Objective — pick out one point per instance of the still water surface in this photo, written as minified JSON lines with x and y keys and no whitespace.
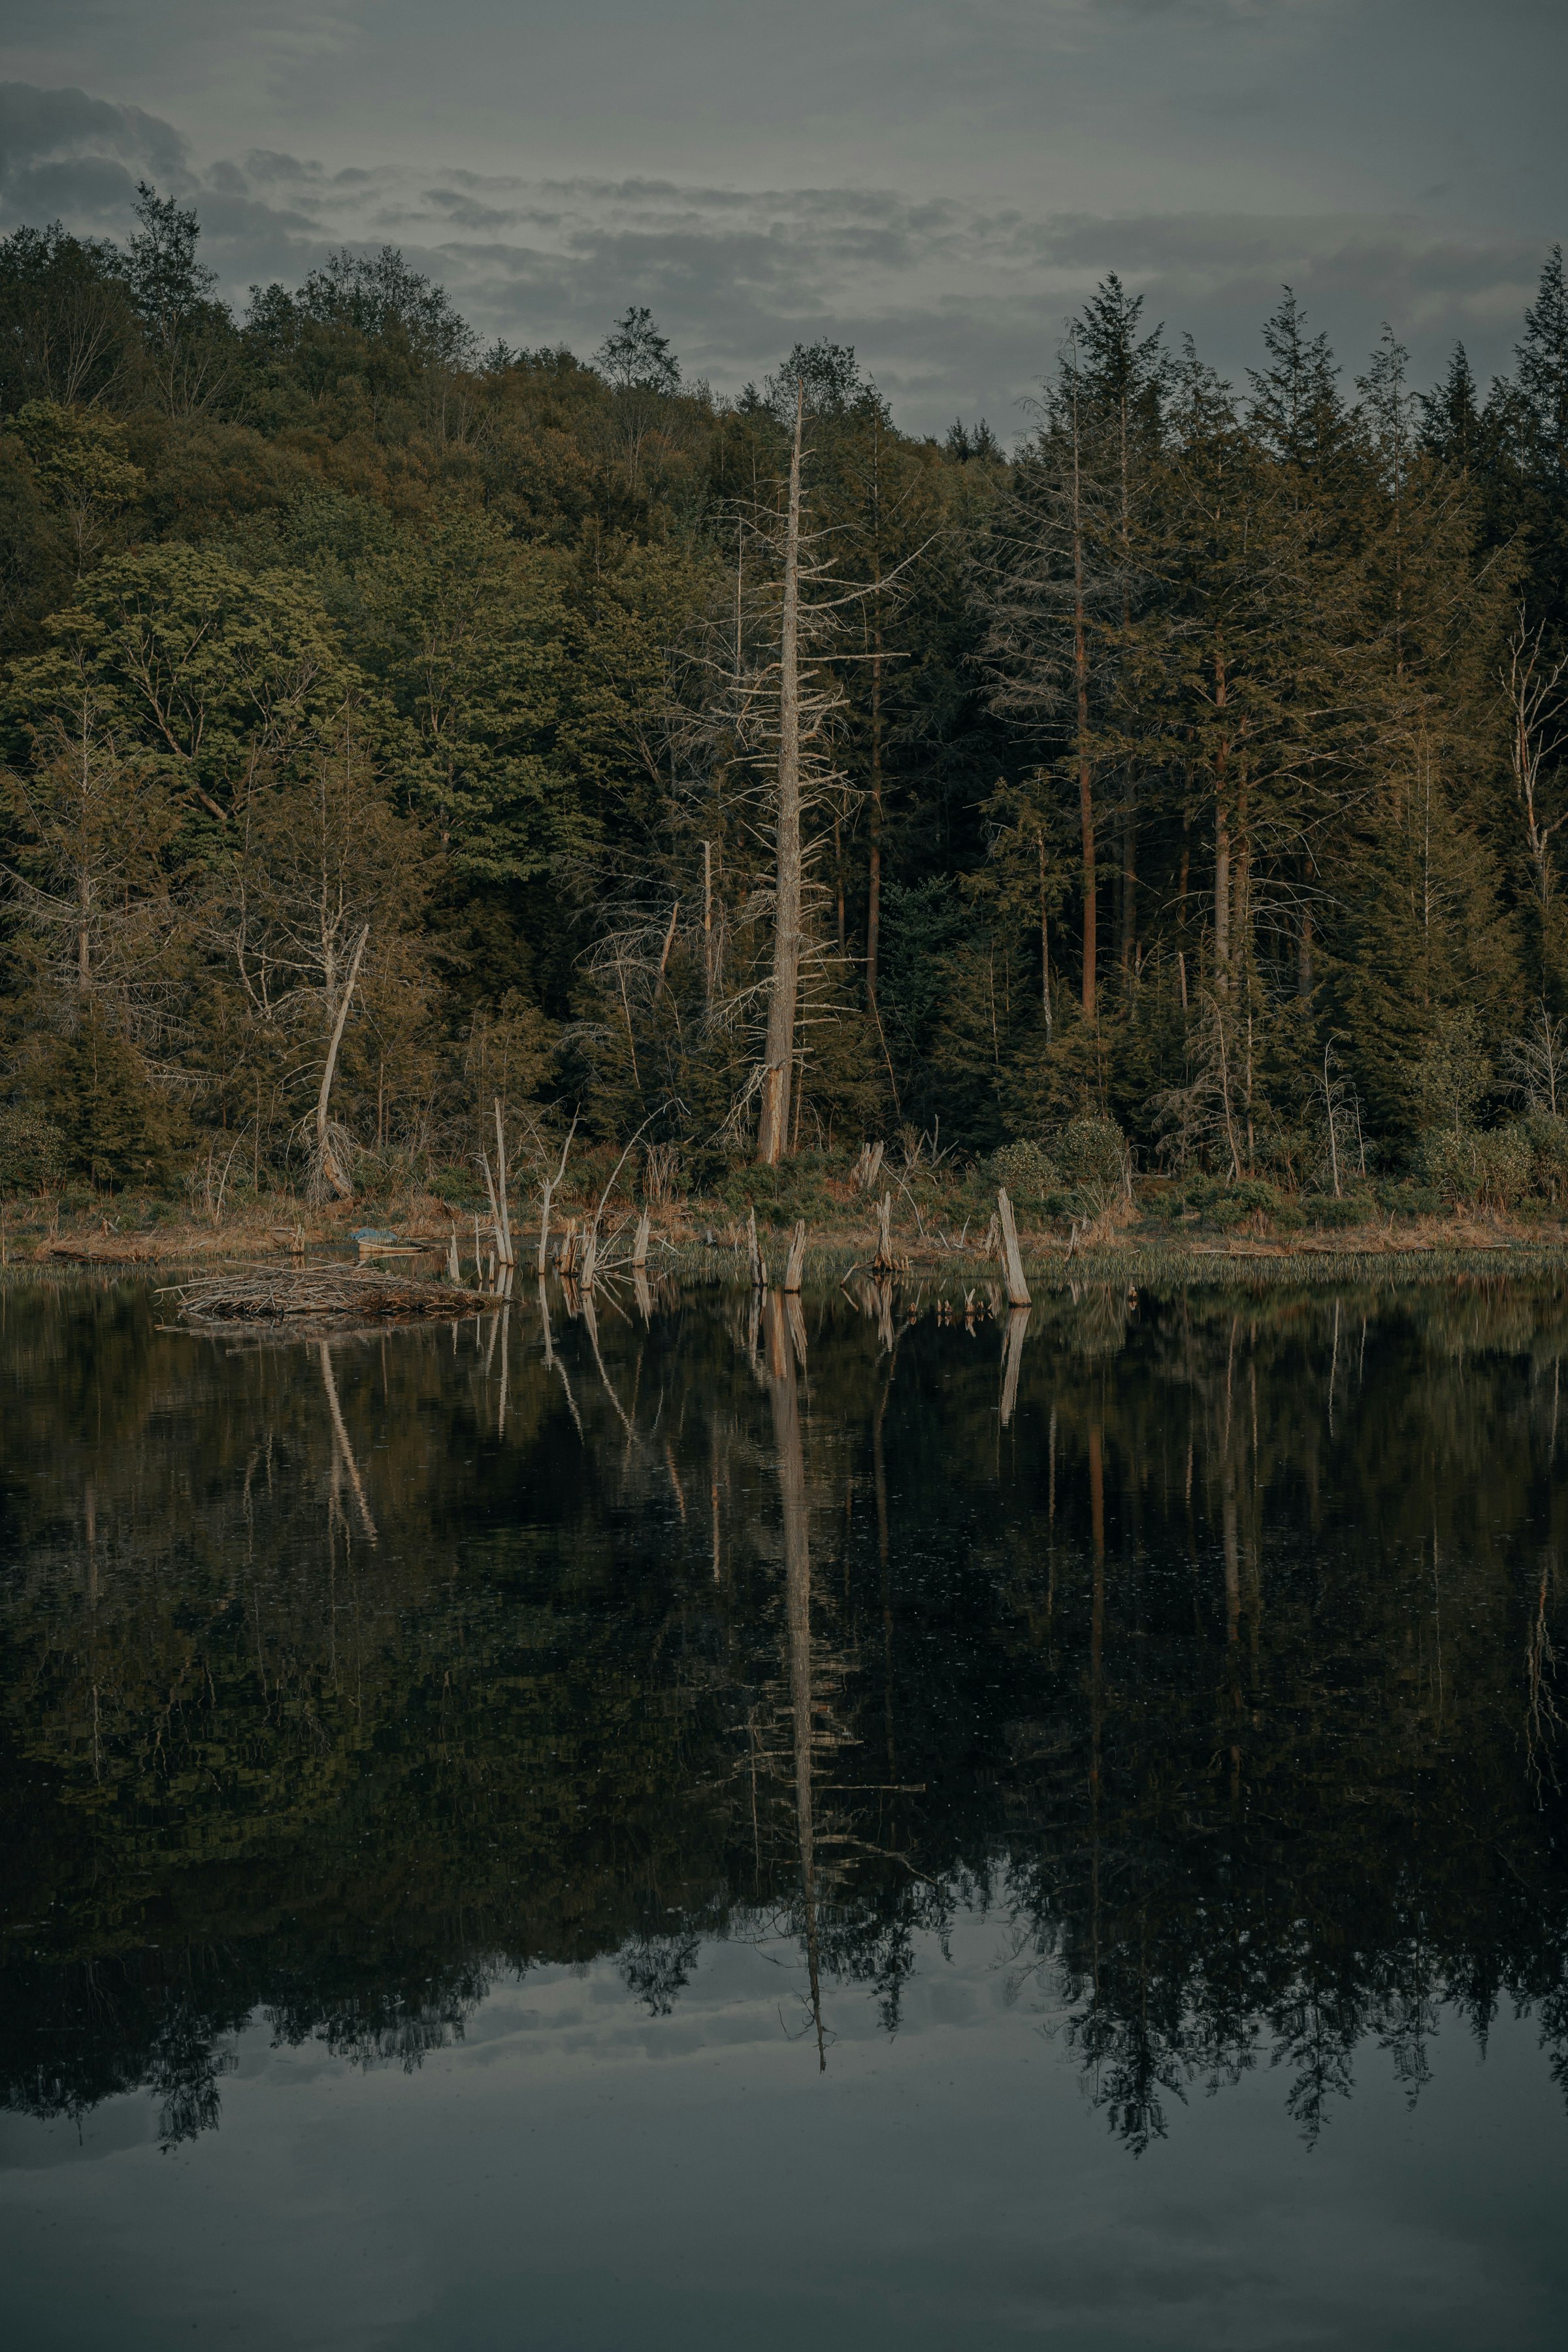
{"x":694,"y":1827}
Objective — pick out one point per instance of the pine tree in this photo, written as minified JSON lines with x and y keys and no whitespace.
{"x":1451,"y":416}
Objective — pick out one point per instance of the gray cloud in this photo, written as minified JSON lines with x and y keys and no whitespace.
{"x":952,"y":279}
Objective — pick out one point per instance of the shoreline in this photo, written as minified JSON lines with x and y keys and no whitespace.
{"x":687,"y":1241}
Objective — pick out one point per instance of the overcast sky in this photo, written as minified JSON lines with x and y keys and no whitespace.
{"x":938,"y":182}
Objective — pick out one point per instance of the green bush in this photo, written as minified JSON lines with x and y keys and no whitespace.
{"x":796,"y":1188}
{"x":1488,"y":1168}
{"x":1548,"y":1136}
{"x":457,"y":1186}
{"x":1092,"y":1155}
{"x":32,"y":1150}
{"x":1333,"y":1212}
{"x":1225,"y":1204}
{"x":1026,"y":1170}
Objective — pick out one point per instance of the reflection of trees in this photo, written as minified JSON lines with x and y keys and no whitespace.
{"x":1246,"y":1723}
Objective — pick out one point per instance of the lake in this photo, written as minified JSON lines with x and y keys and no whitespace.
{"x":863,"y":1821}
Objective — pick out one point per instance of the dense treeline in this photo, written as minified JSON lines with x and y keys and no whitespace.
{"x":391,"y":726}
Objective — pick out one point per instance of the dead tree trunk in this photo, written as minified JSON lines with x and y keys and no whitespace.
{"x":772,"y":1128}
{"x":334,"y":1175}
{"x":1085,"y":789}
{"x":1012,"y":1260}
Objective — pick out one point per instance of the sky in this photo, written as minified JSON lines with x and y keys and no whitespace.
{"x":939,"y":182}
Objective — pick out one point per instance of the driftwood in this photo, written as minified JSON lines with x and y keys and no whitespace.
{"x":321,"y":1294}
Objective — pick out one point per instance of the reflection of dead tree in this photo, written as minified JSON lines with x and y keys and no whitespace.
{"x":342,"y":1448}
{"x":1543,"y":1721}
{"x":1012,"y":1360}
{"x":786,"y":1400}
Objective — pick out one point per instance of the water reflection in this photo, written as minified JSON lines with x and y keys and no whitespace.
{"x":1203,"y":1642}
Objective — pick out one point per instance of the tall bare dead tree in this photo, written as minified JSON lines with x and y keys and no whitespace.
{"x":784,"y":993}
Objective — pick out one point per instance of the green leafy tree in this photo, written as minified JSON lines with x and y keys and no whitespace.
{"x":197,"y":666}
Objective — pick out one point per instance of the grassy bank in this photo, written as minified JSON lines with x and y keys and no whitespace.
{"x":707,"y":1235}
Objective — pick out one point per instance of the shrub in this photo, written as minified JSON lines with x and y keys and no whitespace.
{"x":32,"y":1150}
{"x":1479,"y":1168}
{"x":457,"y":1187}
{"x":1096,"y":1164}
{"x":1331,"y":1211}
{"x":796,"y":1188}
{"x":1028,"y":1172}
{"x":1548,"y":1136}
{"x":1226,"y":1204}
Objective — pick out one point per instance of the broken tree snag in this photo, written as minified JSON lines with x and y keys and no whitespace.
{"x":883,"y":1261}
{"x":639,"y":1243}
{"x":796,"y":1259}
{"x":332,"y":1175}
{"x":590,"y":1255}
{"x":754,"y":1258}
{"x":864,"y":1173}
{"x":1012,"y":1262}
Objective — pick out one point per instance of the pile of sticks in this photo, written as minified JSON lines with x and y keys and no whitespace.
{"x":321,"y":1294}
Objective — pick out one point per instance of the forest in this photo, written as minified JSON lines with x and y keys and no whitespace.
{"x":394,"y":726}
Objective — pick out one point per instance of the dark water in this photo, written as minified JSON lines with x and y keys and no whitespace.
{"x":703,"y":1834}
